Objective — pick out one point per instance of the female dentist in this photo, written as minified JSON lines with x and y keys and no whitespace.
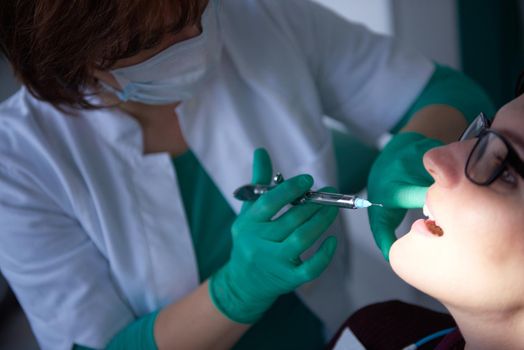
{"x":137,"y":121}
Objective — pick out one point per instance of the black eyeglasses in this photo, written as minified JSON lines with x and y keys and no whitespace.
{"x":491,"y":155}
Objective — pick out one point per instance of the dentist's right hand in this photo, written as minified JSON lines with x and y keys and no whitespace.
{"x":265,"y":258}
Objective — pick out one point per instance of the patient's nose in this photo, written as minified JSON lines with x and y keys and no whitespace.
{"x":446,"y":163}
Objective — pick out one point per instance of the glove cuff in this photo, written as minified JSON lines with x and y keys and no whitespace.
{"x":232,"y":302}
{"x":412,"y":136}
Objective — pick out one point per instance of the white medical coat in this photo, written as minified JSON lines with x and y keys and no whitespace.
{"x":93,"y":233}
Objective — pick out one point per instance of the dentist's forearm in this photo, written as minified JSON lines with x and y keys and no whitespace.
{"x":448,"y":103}
{"x":438,"y":122}
{"x":194,"y":323}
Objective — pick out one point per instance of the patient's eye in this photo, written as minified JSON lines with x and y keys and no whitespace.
{"x":508,"y":177}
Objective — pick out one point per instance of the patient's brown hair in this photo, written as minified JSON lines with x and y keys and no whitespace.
{"x":54,"y":45}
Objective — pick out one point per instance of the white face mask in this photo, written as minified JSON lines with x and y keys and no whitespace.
{"x":176,"y":73}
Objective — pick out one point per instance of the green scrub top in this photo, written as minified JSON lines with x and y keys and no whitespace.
{"x":289,"y":324}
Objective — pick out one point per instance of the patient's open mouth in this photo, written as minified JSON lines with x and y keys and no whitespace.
{"x":434,"y":228}
{"x":431,"y":224}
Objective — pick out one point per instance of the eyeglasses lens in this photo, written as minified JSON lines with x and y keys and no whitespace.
{"x":480,"y":123}
{"x":486,"y":159}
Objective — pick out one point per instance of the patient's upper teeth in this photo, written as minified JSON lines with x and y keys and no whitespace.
{"x":426,"y":212}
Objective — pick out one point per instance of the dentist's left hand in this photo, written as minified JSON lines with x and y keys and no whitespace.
{"x":399,"y":181}
{"x":265,"y":259}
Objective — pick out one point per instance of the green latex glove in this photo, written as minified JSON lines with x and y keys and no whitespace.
{"x":399,"y":181}
{"x":265,"y":259}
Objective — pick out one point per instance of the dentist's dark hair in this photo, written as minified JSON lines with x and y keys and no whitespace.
{"x":53,"y":46}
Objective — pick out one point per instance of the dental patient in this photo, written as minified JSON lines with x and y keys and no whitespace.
{"x":468,"y":253}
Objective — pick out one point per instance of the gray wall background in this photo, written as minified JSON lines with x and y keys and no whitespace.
{"x":430,"y":26}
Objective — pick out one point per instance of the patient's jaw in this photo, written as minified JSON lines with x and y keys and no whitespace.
{"x":478,"y":263}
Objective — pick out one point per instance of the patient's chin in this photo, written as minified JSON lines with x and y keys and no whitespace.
{"x":395,"y":256}
{"x":403,"y":259}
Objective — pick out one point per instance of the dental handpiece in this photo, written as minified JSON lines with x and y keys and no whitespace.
{"x":346,"y":201}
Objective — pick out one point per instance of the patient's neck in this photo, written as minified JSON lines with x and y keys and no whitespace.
{"x":491,"y":330}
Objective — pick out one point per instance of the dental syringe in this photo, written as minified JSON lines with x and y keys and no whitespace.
{"x":252,"y":192}
{"x":340,"y":200}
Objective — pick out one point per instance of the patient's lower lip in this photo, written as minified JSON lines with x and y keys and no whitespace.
{"x":434,"y":228}
{"x":420,"y":226}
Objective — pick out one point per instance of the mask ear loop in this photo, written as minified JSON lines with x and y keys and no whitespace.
{"x":104,"y":87}
{"x":124,"y":94}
